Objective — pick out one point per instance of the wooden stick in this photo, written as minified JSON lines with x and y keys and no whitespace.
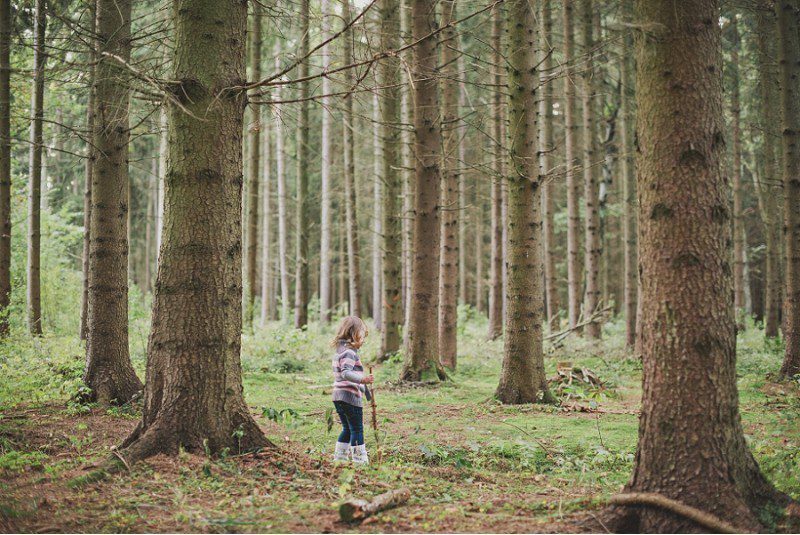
{"x":697,"y":516}
{"x":357,"y":510}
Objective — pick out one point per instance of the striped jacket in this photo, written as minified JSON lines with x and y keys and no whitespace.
{"x":347,"y":375}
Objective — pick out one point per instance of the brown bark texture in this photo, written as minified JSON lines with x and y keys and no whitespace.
{"x":5,"y":164}
{"x":629,"y":223}
{"x":253,"y":182}
{"x":496,"y":253}
{"x":302,"y":213}
{"x":691,"y":443}
{"x":193,"y":397}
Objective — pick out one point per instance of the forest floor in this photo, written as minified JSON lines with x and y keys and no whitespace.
{"x":472,"y":464}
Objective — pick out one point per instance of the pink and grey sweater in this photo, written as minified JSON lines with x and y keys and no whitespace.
{"x":347,"y":375}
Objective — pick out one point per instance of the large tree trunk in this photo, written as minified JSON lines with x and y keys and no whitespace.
{"x":691,"y":443}
{"x":302,"y":218}
{"x":448,"y":261}
{"x":35,"y":185}
{"x":5,"y":164}
{"x":629,"y":225}
{"x":389,"y":78}
{"x":350,"y":201}
{"x":422,"y":349}
{"x":789,"y":64}
{"x":325,"y":173}
{"x":522,"y":379}
{"x":573,"y":185}
{"x":497,"y":222}
{"x":193,"y":398}
{"x":283,"y":224}
{"x":770,"y":195}
{"x":547,"y":146}
{"x":253,"y":185}
{"x":108,"y":372}
{"x":738,"y":195}
{"x":593,"y":247}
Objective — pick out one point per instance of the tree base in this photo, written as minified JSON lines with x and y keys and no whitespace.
{"x":108,"y":388}
{"x":513,"y":396}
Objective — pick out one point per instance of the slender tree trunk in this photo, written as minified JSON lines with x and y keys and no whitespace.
{"x":461,"y":132}
{"x":522,"y":379}
{"x":480,"y":206}
{"x":770,"y":196}
{"x":193,"y":398}
{"x":163,"y":149}
{"x":389,"y":73}
{"x":448,"y":264}
{"x":422,"y":349}
{"x":592,"y":245}
{"x":266,"y":231}
{"x":691,"y":444}
{"x":629,"y":226}
{"x":738,"y":201}
{"x":546,"y":148}
{"x":5,"y":164}
{"x":108,"y":372}
{"x":253,"y":184}
{"x":407,"y":163}
{"x":91,"y":156}
{"x":302,"y":215}
{"x":152,"y":192}
{"x":573,"y":186}
{"x":325,"y":172}
{"x":35,"y":186}
{"x":280,"y":169}
{"x":788,"y":57}
{"x":350,"y":203}
{"x":496,"y":266}
{"x":377,"y":198}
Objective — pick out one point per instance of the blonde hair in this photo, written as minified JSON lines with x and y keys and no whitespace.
{"x":352,"y":331}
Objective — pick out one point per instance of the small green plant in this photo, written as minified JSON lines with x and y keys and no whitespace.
{"x":18,"y":461}
{"x":288,"y":416}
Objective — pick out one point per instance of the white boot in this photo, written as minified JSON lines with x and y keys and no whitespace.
{"x":360,"y":454}
{"x":342,"y":452}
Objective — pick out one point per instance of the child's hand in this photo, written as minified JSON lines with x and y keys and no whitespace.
{"x":367,"y":380}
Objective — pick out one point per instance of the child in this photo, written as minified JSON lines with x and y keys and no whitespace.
{"x":348,"y":388}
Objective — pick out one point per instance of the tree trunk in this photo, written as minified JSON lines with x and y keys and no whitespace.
{"x":377,"y":198}
{"x":280,"y":169}
{"x":448,"y":264}
{"x":422,"y":349}
{"x":462,"y":184}
{"x":253,"y":185}
{"x":629,"y":226}
{"x":480,"y":209}
{"x":5,"y":164}
{"x":407,"y":119}
{"x":496,"y":266}
{"x":788,"y":57}
{"x":350,"y":202}
{"x":592,"y":243}
{"x":522,"y":379}
{"x":691,"y":444}
{"x":193,"y":398}
{"x":152,"y":193}
{"x":769,"y":193}
{"x":163,"y":149}
{"x":35,"y":187}
{"x":91,"y":156}
{"x":302,"y":218}
{"x":266,"y":231}
{"x":325,"y":173}
{"x":738,"y":194}
{"x":546,"y":148}
{"x":108,"y":372}
{"x":389,"y":74}
{"x":573,"y":186}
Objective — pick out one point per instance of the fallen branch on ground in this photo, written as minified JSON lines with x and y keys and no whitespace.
{"x":357,"y":510}
{"x":701,"y":518}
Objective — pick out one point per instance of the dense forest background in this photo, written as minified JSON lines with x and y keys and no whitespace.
{"x":571,"y":226}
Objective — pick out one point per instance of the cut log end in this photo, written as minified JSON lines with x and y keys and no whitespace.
{"x":357,"y":510}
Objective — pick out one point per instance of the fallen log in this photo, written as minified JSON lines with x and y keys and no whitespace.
{"x":358,"y":510}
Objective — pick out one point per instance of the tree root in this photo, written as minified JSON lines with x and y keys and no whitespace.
{"x":702,"y":518}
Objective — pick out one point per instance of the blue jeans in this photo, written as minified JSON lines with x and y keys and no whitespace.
{"x":352,"y":419}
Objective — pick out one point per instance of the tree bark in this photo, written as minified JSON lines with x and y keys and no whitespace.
{"x":546,"y":148}
{"x":350,"y":188}
{"x":193,"y":398}
{"x":108,"y":372}
{"x":91,"y":156}
{"x":389,"y":73}
{"x":788,"y":57}
{"x":5,"y":164}
{"x":629,"y":226}
{"x":522,"y":379}
{"x":325,"y":173}
{"x":497,"y":222}
{"x":462,"y":185}
{"x":738,"y":194}
{"x":573,"y":186}
{"x":422,"y":349}
{"x":253,"y":184}
{"x":593,"y":247}
{"x":377,"y":199}
{"x":152,"y":199}
{"x":450,"y":209}
{"x":406,"y":155}
{"x":34,"y":288}
{"x":691,"y":443}
{"x":267,"y":308}
{"x":280,"y":169}
{"x":302,"y":219}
